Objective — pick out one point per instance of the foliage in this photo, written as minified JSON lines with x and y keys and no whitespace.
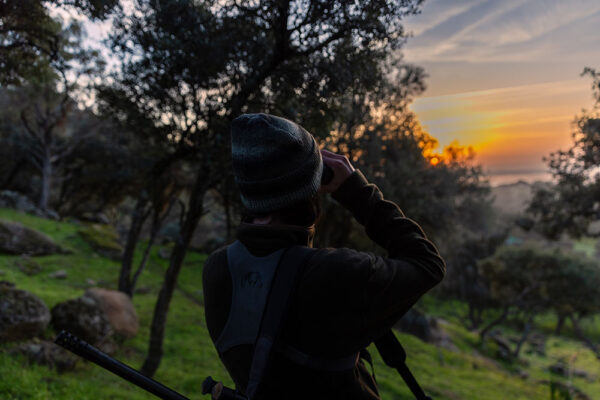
{"x":573,"y":202}
{"x":190,"y":355}
{"x":29,"y":41}
{"x":529,"y":281}
{"x":189,"y":68}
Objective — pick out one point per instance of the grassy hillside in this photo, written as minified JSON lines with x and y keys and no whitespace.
{"x":189,"y":355}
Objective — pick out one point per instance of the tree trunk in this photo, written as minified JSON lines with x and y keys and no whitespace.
{"x":159,"y":319}
{"x":495,"y":322}
{"x":474,"y":315}
{"x":560,"y":324}
{"x":157,"y":221}
{"x":46,"y":177}
{"x":524,"y":336}
{"x":582,"y":337}
{"x":138,"y":217}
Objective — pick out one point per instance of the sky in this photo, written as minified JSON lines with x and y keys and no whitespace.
{"x":504,"y":75}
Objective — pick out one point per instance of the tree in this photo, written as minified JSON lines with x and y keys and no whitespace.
{"x":529,"y":280}
{"x":189,"y":68}
{"x":32,"y":41}
{"x":573,"y":202}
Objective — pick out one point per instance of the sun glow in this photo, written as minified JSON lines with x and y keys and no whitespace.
{"x":508,"y":128}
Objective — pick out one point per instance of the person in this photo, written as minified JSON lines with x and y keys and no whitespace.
{"x":344,"y":299}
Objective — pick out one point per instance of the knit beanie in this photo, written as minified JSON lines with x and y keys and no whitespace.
{"x":276,"y":162}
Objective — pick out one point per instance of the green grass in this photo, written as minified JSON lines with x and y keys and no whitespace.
{"x":189,"y":355}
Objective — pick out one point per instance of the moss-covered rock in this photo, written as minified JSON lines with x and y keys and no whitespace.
{"x":85,"y":318}
{"x":16,"y":238}
{"x":103,"y":239}
{"x":22,"y":314}
{"x":44,"y":352}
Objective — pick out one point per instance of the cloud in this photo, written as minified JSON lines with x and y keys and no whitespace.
{"x":500,"y":31}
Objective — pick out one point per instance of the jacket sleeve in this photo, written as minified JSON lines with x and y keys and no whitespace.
{"x":393,"y":284}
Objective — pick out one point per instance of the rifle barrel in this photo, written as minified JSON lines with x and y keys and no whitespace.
{"x":91,"y":353}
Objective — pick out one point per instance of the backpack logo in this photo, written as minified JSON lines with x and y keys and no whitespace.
{"x":252,"y":279}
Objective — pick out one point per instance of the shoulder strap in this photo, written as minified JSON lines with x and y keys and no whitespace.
{"x":282,"y":288}
{"x":394,"y":356}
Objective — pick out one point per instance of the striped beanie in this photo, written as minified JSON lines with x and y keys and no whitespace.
{"x":276,"y":162}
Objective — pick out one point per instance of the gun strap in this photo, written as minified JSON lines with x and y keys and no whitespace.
{"x":282,"y":288}
{"x":394,"y":356}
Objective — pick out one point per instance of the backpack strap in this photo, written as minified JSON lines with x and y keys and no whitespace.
{"x":282,"y":288}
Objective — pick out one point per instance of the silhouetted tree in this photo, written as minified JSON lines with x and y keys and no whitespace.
{"x":573,"y":203}
{"x":189,"y":68}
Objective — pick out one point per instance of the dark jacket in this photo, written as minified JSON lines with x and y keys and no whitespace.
{"x":345,"y":298}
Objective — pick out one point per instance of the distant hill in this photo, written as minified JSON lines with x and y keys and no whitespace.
{"x":514,"y":198}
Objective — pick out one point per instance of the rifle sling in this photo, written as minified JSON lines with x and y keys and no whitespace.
{"x":394,"y":356}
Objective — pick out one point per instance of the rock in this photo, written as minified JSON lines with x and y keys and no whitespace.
{"x":20,"y":202}
{"x":103,"y":239}
{"x":47,"y":353}
{"x":559,"y":368}
{"x":170,"y":232}
{"x":85,"y":318}
{"x":164,"y":253}
{"x":143,"y":290}
{"x":7,"y":284}
{"x":560,"y":390}
{"x":22,"y":314}
{"x":537,"y":343}
{"x":28,"y":266}
{"x":428,"y":329}
{"x":15,"y":238}
{"x":562,"y":369}
{"x":416,"y":323}
{"x":91,"y":282}
{"x":523,"y":374}
{"x":119,"y":310}
{"x":99,"y":218}
{"x":60,"y":274}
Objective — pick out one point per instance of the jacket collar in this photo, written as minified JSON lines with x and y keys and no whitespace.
{"x":265,"y":239}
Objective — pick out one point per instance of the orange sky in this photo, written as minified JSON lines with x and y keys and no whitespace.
{"x":504,"y":75}
{"x":510,"y":128}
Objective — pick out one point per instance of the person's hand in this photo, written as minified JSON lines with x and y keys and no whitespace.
{"x":341,"y":168}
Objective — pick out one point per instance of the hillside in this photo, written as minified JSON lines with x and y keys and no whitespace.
{"x":469,"y":372}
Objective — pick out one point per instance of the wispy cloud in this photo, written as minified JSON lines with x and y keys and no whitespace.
{"x":500,"y":31}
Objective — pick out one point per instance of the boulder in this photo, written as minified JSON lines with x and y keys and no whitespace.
{"x":85,"y":318}
{"x":562,"y":369}
{"x":16,"y":238}
{"x":60,"y":274}
{"x":428,"y":329}
{"x":416,"y":323}
{"x":103,"y":239}
{"x":22,"y":314}
{"x":118,"y":309}
{"x":48,"y":353}
{"x":20,"y":202}
{"x":28,"y":266}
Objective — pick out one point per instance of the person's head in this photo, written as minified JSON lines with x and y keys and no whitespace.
{"x":277,"y":166}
